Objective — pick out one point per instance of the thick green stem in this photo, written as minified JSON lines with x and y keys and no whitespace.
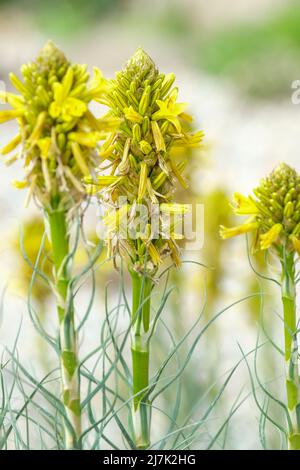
{"x":68,"y":341}
{"x":291,"y":349}
{"x":141,"y":292}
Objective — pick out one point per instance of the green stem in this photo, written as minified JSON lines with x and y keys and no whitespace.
{"x":68,"y":340}
{"x":141,"y":292}
{"x":288,"y":292}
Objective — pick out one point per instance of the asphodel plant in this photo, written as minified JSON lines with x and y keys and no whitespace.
{"x":57,"y":144}
{"x":143,"y":171}
{"x":274,"y":217}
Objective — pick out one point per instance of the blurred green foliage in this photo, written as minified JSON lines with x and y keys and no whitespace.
{"x":65,"y":17}
{"x":262,"y":57}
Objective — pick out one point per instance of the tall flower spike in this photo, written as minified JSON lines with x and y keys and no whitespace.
{"x":58,"y":135}
{"x":274,"y":211}
{"x":141,"y":151}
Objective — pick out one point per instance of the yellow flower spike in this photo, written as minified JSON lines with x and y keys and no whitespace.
{"x":133,"y":115}
{"x":140,"y":150}
{"x":80,"y":159}
{"x":54,"y":121}
{"x":244,"y":205}
{"x":238,"y":230}
{"x":143,"y":181}
{"x":268,"y":238}
{"x":158,"y":138}
{"x":11,"y":145}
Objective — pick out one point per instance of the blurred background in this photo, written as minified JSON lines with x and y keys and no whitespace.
{"x":235,"y":63}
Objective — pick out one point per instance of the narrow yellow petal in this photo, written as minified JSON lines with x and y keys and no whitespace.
{"x":266,"y":239}
{"x":38,"y":128}
{"x":238,"y":230}
{"x":154,"y":254}
{"x":133,"y":115}
{"x":80,"y":159}
{"x":11,"y":145}
{"x":19,"y":184}
{"x":143,"y":181}
{"x":158,"y":137}
{"x":8,"y":115}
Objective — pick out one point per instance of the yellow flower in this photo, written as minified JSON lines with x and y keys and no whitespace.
{"x":169,"y":111}
{"x":244,"y":205}
{"x":266,"y":239}
{"x":133,"y":115}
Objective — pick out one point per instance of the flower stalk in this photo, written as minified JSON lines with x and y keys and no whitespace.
{"x":288,"y":293}
{"x":59,"y":235}
{"x":140,"y":353}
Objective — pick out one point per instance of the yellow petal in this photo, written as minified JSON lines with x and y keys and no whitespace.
{"x":266,"y":239}
{"x":38,"y":127}
{"x":143,"y":181}
{"x":80,"y":159}
{"x":133,"y":115}
{"x":11,"y":145}
{"x":19,"y":184}
{"x":244,"y":205}
{"x":158,"y":137}
{"x":296,"y":244}
{"x":154,"y":254}
{"x":8,"y":115}
{"x":88,"y":139}
{"x":73,"y":107}
{"x":238,"y":230}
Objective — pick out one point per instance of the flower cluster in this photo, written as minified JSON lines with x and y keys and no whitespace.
{"x":142,"y":155}
{"x":58,"y":135}
{"x":274,"y":212}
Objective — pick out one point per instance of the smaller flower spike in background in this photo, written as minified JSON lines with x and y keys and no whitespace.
{"x":275,"y":217}
{"x":58,"y":135}
{"x":274,"y":211}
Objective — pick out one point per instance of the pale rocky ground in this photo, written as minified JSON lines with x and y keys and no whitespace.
{"x":247,"y":140}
